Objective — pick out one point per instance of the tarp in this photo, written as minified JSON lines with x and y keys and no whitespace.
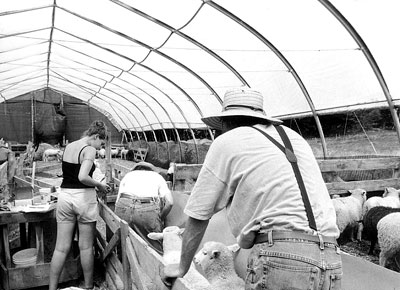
{"x":49,"y":117}
{"x":156,"y":64}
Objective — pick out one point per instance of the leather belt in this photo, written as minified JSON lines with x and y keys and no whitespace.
{"x":140,"y":198}
{"x":284,"y":235}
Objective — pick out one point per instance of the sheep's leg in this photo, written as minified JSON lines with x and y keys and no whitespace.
{"x":383,"y":257}
{"x":359,"y":232}
{"x":372,"y":247}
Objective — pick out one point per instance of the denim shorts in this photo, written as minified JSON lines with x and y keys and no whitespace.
{"x":143,"y":218}
{"x":294,"y":264}
{"x":77,"y":205}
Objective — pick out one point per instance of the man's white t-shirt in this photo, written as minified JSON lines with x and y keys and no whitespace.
{"x":249,"y":175}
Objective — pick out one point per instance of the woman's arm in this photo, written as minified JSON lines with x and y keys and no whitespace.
{"x":87,"y":160}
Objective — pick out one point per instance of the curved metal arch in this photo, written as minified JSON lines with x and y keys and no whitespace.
{"x":152,"y":129}
{"x":66,"y":47}
{"x":24,"y":46}
{"x":163,"y":129}
{"x":89,"y":91}
{"x":137,"y":134}
{"x":64,"y":93}
{"x":282,"y":59}
{"x":184,"y":36}
{"x":177,"y":107}
{"x":92,"y":92}
{"x":149,"y":69}
{"x":370,"y":58}
{"x":150,"y":84}
{"x":20,"y":75}
{"x":17,"y":83}
{"x":5,"y":13}
{"x":50,"y":40}
{"x":21,"y":58}
{"x":132,"y":125}
{"x":152,"y":49}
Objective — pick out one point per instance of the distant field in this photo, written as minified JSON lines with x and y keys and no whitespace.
{"x":372,"y":143}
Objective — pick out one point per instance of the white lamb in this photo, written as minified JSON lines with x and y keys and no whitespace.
{"x":124,"y":152}
{"x":216,"y":261}
{"x":52,"y":152}
{"x":349,"y":211}
{"x":390,"y":198}
{"x":102,"y":153}
{"x":114,"y":152}
{"x":389,"y":238}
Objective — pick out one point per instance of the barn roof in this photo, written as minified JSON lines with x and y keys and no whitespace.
{"x":153,"y":65}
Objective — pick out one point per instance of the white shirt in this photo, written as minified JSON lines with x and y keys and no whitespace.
{"x":143,"y":183}
{"x":249,"y":175}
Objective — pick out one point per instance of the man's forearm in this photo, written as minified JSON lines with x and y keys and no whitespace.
{"x":192,"y":236}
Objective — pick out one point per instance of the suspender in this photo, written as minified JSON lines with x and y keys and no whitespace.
{"x":289,"y":153}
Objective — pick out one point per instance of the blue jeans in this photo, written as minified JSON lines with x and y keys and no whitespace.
{"x":143,"y":218}
{"x":294,"y":264}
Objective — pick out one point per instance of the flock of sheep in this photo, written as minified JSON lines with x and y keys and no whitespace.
{"x":56,"y":153}
{"x":376,"y":219}
{"x":115,"y":152}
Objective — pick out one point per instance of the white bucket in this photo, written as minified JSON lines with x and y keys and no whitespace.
{"x":25,"y":258}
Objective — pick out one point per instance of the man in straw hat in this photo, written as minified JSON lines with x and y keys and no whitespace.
{"x":276,"y":201}
{"x":143,"y":201}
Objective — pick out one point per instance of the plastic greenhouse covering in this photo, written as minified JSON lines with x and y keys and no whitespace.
{"x":151,"y":65}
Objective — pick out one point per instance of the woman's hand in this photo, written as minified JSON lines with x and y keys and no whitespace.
{"x":103,"y":188}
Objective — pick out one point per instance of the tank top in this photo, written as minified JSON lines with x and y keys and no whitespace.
{"x":71,"y":172}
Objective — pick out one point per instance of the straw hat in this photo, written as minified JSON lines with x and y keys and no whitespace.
{"x":240,"y":102}
{"x":144,"y":164}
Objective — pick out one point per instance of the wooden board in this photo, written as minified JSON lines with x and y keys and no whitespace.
{"x":337,"y":165}
{"x":34,"y":276}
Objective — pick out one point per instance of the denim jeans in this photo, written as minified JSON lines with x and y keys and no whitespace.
{"x":294,"y":264}
{"x":143,"y":218}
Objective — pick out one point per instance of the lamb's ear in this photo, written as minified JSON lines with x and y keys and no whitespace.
{"x":234,"y":248}
{"x":215,"y":254}
{"x":155,"y":236}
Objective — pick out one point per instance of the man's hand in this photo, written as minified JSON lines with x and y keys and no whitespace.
{"x":170,"y":273}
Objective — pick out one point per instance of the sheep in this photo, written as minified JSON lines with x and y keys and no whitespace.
{"x":370,"y":222}
{"x":389,"y":238}
{"x":216,"y":261}
{"x":349,"y":211}
{"x":390,"y":198}
{"x":102,"y":153}
{"x":52,"y":152}
{"x":172,"y":245}
{"x":114,"y":152}
{"x":123,"y":153}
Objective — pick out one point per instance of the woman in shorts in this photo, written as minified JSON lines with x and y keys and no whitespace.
{"x":77,"y":203}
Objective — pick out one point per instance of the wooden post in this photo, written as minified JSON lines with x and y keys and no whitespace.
{"x":126,"y":270}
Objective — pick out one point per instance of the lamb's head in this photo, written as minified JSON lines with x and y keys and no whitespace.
{"x":215,"y":258}
{"x":359,"y":194}
{"x":391,"y":191}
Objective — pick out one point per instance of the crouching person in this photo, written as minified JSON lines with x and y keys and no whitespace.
{"x":286,"y":218}
{"x":144,"y":201}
